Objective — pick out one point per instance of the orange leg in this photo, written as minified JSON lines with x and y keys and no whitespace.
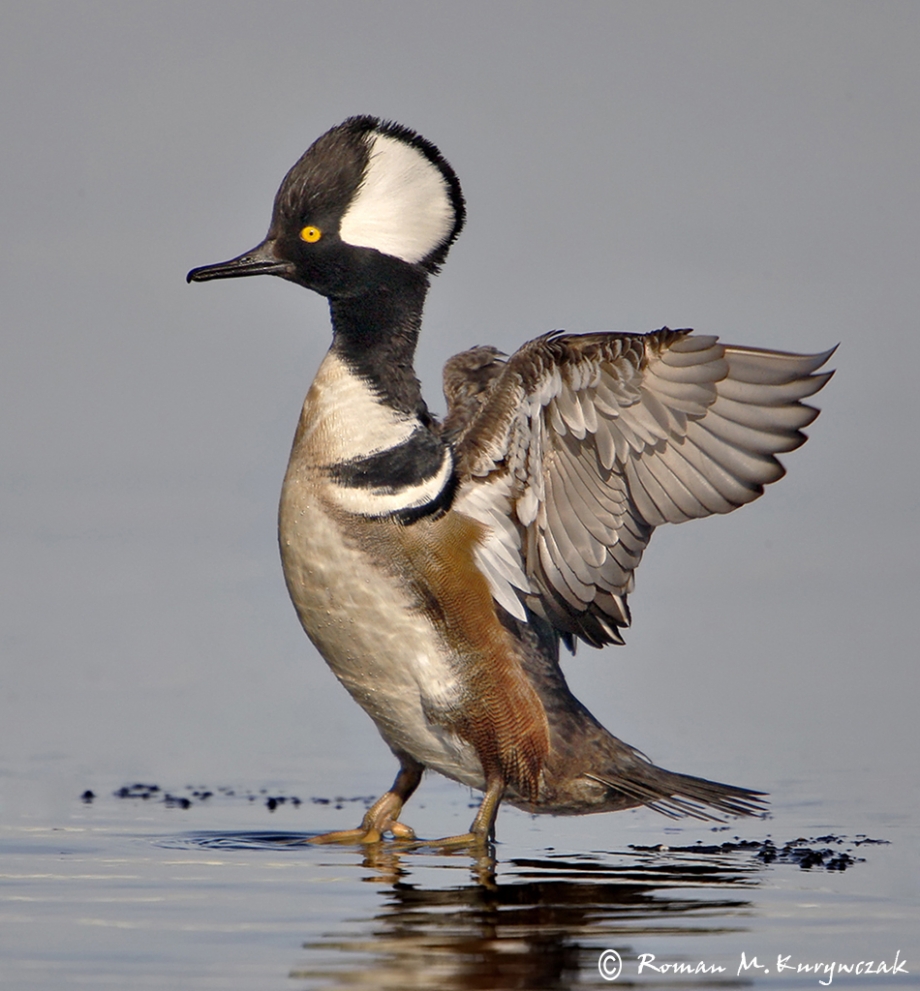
{"x":482,"y":831}
{"x":382,"y":816}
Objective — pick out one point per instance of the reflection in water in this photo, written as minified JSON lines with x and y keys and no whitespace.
{"x":542,"y":925}
{"x":536,"y":923}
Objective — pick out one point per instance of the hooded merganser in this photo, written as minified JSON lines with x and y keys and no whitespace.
{"x":438,"y":566}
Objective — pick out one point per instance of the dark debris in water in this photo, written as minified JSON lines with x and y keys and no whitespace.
{"x":339,"y":802}
{"x":190,"y":795}
{"x":807,"y":853}
{"x":137,"y":791}
{"x":830,"y":852}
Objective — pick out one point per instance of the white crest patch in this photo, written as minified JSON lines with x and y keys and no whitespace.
{"x":402,"y":207}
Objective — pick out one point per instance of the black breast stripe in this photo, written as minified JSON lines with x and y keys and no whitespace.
{"x":409,"y":463}
{"x":406,"y":482}
{"x":434,"y":507}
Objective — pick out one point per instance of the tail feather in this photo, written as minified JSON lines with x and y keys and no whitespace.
{"x":681,"y":795}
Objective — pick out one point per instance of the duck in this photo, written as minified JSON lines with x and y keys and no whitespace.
{"x":440,"y":565}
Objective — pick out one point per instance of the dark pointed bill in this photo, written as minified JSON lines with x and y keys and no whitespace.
{"x":262,"y":260}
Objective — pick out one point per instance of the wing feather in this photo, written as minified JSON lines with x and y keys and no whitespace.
{"x":573,"y":450}
{"x":589,"y":526}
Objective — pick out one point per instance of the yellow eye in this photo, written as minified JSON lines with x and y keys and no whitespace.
{"x":310,"y":234}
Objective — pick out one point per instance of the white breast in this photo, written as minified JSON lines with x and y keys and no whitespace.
{"x":371,"y":633}
{"x":364,"y":622}
{"x":344,"y":420}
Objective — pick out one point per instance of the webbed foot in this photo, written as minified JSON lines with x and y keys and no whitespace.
{"x":382,"y":817}
{"x":482,"y":831}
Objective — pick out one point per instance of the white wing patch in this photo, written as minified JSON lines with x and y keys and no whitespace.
{"x":402,"y":207}
{"x":499,"y":555}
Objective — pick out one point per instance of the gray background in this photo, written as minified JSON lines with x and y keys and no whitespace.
{"x":747,"y":169}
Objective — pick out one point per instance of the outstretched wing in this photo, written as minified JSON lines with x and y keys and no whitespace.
{"x":574,"y":449}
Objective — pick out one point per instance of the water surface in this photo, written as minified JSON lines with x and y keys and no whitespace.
{"x":224,"y":894}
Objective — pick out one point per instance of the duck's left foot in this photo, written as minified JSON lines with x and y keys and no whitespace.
{"x":379,"y":820}
{"x":399,"y":830}
{"x":382,"y":817}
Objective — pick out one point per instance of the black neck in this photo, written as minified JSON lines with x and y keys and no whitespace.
{"x":376,"y":333}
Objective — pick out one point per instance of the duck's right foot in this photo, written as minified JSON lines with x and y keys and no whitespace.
{"x":482,"y":831}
